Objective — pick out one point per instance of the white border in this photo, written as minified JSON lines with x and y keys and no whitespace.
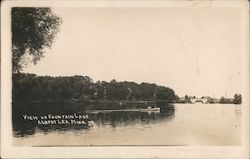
{"x":10,"y":151}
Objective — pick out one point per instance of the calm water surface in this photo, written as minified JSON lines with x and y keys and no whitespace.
{"x":180,"y":124}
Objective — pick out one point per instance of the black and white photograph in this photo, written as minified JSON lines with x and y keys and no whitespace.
{"x":123,"y":75}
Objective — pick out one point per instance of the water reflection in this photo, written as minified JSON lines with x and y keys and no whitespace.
{"x":25,"y":128}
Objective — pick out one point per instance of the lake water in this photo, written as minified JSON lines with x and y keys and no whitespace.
{"x":179,"y":124}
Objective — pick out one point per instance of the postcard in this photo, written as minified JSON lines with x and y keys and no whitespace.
{"x":124,"y":79}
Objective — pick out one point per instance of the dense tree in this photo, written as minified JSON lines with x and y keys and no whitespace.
{"x":33,"y":30}
{"x":237,"y":99}
{"x":187,"y":99}
{"x":164,"y":93}
{"x":45,"y":88}
{"x":222,"y":100}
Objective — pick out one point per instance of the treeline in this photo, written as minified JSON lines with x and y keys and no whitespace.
{"x":30,"y":87}
{"x":236,"y":100}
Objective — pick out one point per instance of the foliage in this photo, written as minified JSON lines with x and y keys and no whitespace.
{"x":237,"y":99}
{"x":187,"y":99}
{"x":33,"y":30}
{"x":44,"y":88}
{"x":224,"y":100}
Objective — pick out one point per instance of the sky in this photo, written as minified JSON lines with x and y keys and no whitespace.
{"x":193,"y":51}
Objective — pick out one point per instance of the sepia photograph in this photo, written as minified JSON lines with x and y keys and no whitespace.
{"x":123,"y":75}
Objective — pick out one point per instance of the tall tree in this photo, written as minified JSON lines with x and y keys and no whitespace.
{"x":237,"y":99}
{"x":33,"y":30}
